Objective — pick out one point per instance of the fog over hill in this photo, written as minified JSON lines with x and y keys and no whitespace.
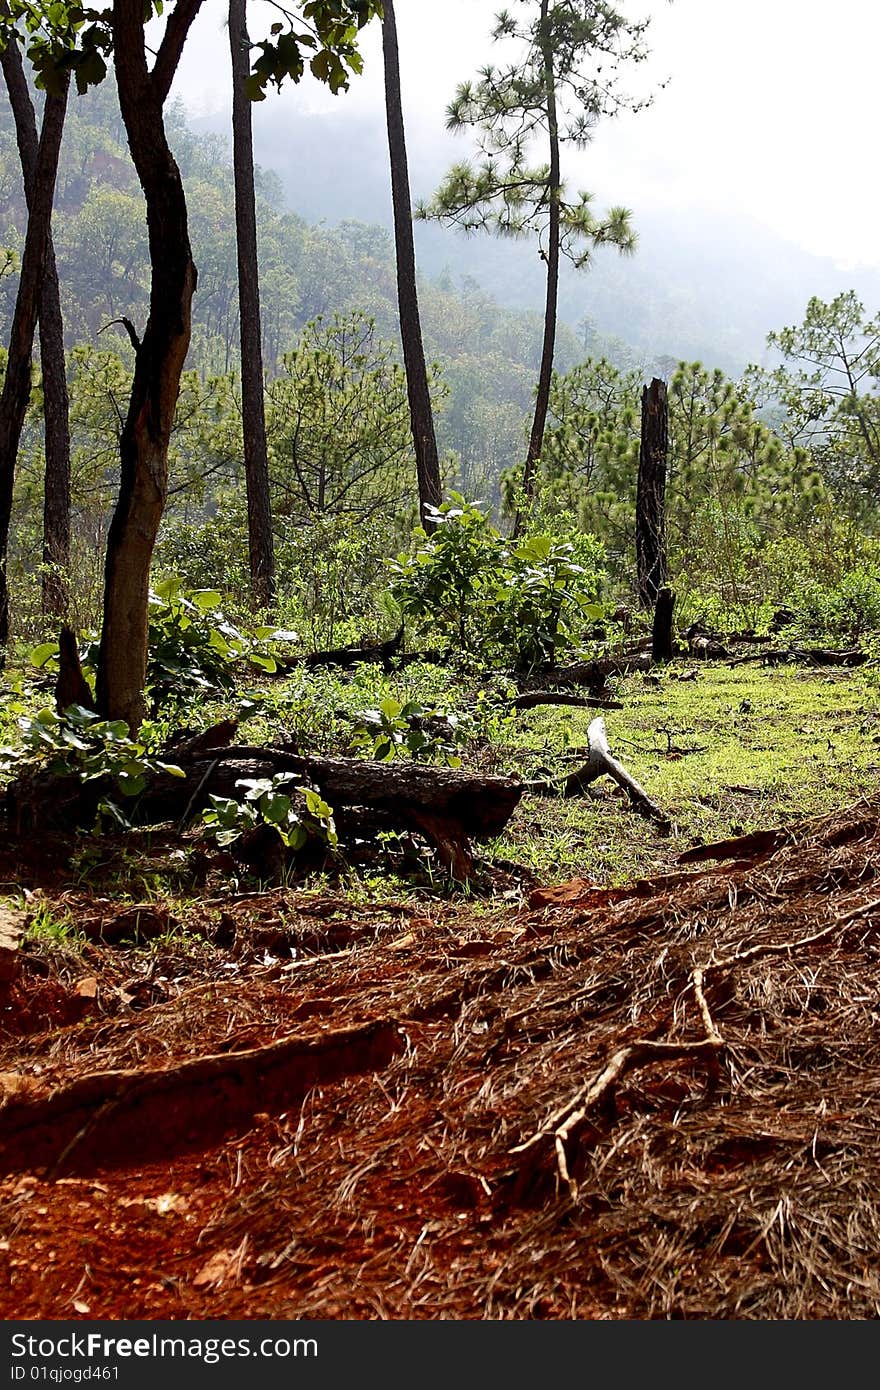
{"x":703,"y":284}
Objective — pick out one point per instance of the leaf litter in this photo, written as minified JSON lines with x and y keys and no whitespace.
{"x":651,"y":1101}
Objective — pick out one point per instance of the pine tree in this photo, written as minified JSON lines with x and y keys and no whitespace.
{"x":563,"y":81}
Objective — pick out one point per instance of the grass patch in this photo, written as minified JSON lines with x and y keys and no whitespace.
{"x":53,"y":926}
{"x":771,"y":746}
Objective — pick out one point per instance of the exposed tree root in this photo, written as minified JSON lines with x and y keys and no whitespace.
{"x":105,"y":1118}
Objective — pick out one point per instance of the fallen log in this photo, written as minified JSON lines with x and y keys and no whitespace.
{"x":594,"y":674}
{"x":601,"y":763}
{"x":707,"y":648}
{"x":446,"y":806}
{"x":806,"y":656}
{"x":377,"y":653}
{"x":531,"y":699}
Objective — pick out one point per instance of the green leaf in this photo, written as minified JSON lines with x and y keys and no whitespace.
{"x":275,"y":808}
{"x":297,"y":836}
{"x":206,"y":600}
{"x":168,"y":588}
{"x":265,"y":663}
{"x":171,"y":768}
{"x":41,"y":655}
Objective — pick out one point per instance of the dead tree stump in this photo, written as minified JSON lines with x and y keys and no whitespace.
{"x":661,"y":637}
{"x":651,"y":494}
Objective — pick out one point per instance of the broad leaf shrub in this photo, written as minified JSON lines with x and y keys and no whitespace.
{"x":193,"y":648}
{"x":544,"y":595}
{"x":480,"y":593}
{"x":78,"y":743}
{"x":447,"y":583}
{"x":297,"y":814}
{"x":410,"y":730}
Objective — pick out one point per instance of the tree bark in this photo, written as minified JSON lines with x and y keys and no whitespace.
{"x":159,"y":360}
{"x":554,"y":193}
{"x":256,"y":463}
{"x":651,"y":494}
{"x":17,"y":385}
{"x":421,"y":414}
{"x":56,"y":413}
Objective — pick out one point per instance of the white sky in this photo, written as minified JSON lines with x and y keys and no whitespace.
{"x":770,"y":111}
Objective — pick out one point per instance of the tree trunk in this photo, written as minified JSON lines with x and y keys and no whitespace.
{"x":56,"y":421}
{"x":554,"y":192}
{"x":256,"y":464}
{"x":421,"y":414}
{"x":17,"y":385}
{"x":159,"y":360}
{"x":56,"y":415}
{"x":651,"y":494}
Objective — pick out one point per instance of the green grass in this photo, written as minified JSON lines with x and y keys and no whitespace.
{"x":775,"y":745}
{"x":53,"y":926}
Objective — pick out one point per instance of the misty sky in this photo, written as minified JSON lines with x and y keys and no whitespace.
{"x":769,"y":113}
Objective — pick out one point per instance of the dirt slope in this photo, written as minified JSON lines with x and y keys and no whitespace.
{"x":652,"y":1101}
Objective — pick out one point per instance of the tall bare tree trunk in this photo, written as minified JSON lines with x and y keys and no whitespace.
{"x":421,"y":414}
{"x":554,"y":193}
{"x":651,"y":494}
{"x":17,"y":385}
{"x":56,"y":408}
{"x":256,"y":463}
{"x":159,"y":360}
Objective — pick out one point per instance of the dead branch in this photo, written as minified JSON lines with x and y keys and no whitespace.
{"x":533,"y":698}
{"x":805,"y":656}
{"x":602,"y":763}
{"x":563,"y":1127}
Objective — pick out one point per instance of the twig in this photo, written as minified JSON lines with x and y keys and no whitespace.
{"x":184,"y":819}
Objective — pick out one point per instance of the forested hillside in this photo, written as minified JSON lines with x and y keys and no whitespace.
{"x":328,"y":307}
{"x":342,"y":276}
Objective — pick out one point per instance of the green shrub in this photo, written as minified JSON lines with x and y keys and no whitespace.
{"x":848,"y":611}
{"x":410,"y":730}
{"x":483,"y":594}
{"x":193,"y":648}
{"x":297,"y":814}
{"x":78,"y":743}
{"x":542,"y":600}
{"x":446,"y":583}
